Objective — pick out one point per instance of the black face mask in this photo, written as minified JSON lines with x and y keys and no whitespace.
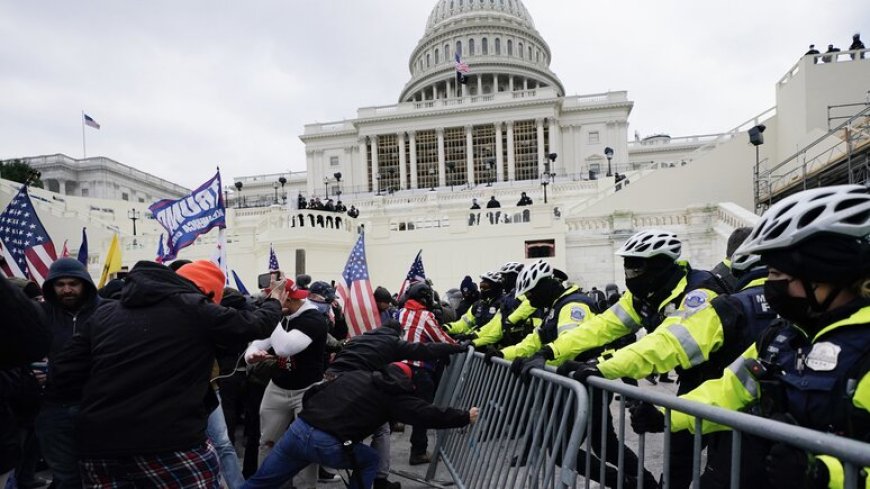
{"x":802,"y":311}
{"x":545,"y":293}
{"x":648,"y":284}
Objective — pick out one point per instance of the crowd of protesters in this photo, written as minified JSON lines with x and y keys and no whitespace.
{"x":143,"y":383}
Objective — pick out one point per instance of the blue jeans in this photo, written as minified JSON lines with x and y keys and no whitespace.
{"x":303,"y":444}
{"x":216,"y":430}
{"x":54,"y":428}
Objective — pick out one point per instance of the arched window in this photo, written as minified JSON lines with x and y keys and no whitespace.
{"x":459,"y":47}
{"x":520,"y":49}
{"x":530,"y":53}
{"x":538,"y":53}
{"x":484,"y":46}
{"x":510,"y":48}
{"x":498,"y":46}
{"x":447,"y":52}
{"x":471,"y":47}
{"x":428,"y":60}
{"x":437,"y":56}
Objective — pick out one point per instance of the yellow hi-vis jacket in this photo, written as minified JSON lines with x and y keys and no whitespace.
{"x":738,"y":389}
{"x":685,"y":339}
{"x":622,"y":319}
{"x":568,"y":318}
{"x":491,"y":333}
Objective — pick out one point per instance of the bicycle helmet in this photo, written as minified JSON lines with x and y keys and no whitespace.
{"x":650,"y":243}
{"x":842,"y":210}
{"x":511,"y":267}
{"x":741,"y":263}
{"x":532,"y":275}
{"x":494,"y":277}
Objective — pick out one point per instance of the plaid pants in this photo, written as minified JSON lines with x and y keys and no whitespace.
{"x":196,"y":468}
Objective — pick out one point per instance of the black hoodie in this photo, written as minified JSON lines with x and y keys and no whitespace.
{"x":144,"y":363}
{"x":352,"y":406}
{"x":63,"y":322}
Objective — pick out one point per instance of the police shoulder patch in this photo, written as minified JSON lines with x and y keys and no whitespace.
{"x":577,"y":313}
{"x":695,"y":299}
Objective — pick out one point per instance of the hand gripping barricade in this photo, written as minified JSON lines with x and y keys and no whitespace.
{"x":528,"y":432}
{"x":853,"y":454}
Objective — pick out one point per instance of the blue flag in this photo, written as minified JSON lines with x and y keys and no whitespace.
{"x":160,"y":251}
{"x":239,"y":285}
{"x":83,"y":249}
{"x":188,"y":217}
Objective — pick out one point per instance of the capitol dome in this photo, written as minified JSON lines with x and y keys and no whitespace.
{"x":497,"y":39}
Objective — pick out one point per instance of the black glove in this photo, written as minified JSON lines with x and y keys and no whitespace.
{"x":517,"y":366}
{"x":568,"y":368}
{"x":464,"y":337}
{"x":645,"y":418}
{"x":588,"y":369}
{"x":487,"y":359}
{"x":790,"y":467}
{"x":538,"y":360}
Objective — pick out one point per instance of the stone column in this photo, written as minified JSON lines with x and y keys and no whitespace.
{"x":412,"y":142}
{"x":525,"y":83}
{"x":512,"y":163}
{"x":479,"y":85}
{"x":354,"y":182}
{"x":469,"y":154}
{"x":434,"y":93}
{"x":441,"y":180}
{"x":403,"y":173}
{"x":510,"y":83}
{"x":499,"y":161}
{"x":494,"y":83}
{"x":539,"y":123}
{"x":555,"y":139}
{"x":375,"y":169}
{"x":450,"y":93}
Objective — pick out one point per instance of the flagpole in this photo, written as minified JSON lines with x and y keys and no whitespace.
{"x":84,"y":148}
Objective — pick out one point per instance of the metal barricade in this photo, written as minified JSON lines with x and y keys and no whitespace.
{"x":527,"y":435}
{"x":853,"y":454}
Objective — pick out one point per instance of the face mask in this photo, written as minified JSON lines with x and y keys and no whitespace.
{"x":644,"y":285}
{"x":794,"y":309}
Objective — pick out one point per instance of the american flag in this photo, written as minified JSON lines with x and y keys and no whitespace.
{"x":273,"y":260}
{"x":64,"y":252}
{"x":460,"y":66}
{"x":355,"y":291}
{"x":415,"y":274}
{"x":89,"y":121}
{"x":28,"y":249}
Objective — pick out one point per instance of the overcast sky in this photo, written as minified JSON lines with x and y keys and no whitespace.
{"x":180,"y":87}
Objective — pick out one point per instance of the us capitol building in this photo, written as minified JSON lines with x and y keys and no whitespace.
{"x":413,"y":167}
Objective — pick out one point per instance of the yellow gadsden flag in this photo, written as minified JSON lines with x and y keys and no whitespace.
{"x":113,"y":261}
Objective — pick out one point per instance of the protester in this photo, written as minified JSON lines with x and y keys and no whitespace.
{"x":142,"y":366}
{"x":339,"y":414}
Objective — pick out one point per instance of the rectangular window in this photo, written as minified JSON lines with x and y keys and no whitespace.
{"x":85,"y":192}
{"x":427,"y":159}
{"x":454,"y":151}
{"x":333,"y":161}
{"x":593,"y":137}
{"x":125,"y":196}
{"x":483,"y":138}
{"x":526,"y":150}
{"x":541,"y":248}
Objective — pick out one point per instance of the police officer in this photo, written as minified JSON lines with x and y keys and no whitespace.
{"x":516,"y":317}
{"x":699,"y":343}
{"x":482,"y":311}
{"x":815,"y":244}
{"x":659,"y":285}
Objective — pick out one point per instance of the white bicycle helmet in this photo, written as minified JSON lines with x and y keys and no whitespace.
{"x":492,"y":277}
{"x":840,"y":210}
{"x":511,"y":267}
{"x":650,"y":243}
{"x":531,"y":275}
{"x":744,"y":262}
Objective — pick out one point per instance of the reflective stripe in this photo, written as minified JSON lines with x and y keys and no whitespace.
{"x":467,"y":321}
{"x":690,"y":346}
{"x":625,"y":317}
{"x":687,"y":313}
{"x":566,"y":327}
{"x":741,"y":371}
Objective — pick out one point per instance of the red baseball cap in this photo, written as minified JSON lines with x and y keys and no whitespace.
{"x":293,"y":291}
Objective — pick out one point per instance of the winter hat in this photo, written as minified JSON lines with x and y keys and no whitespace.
{"x":468,"y":285}
{"x":207,"y":276}
{"x":29,"y":287}
{"x":383,"y":295}
{"x":294,"y":291}
{"x":405,"y":368}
